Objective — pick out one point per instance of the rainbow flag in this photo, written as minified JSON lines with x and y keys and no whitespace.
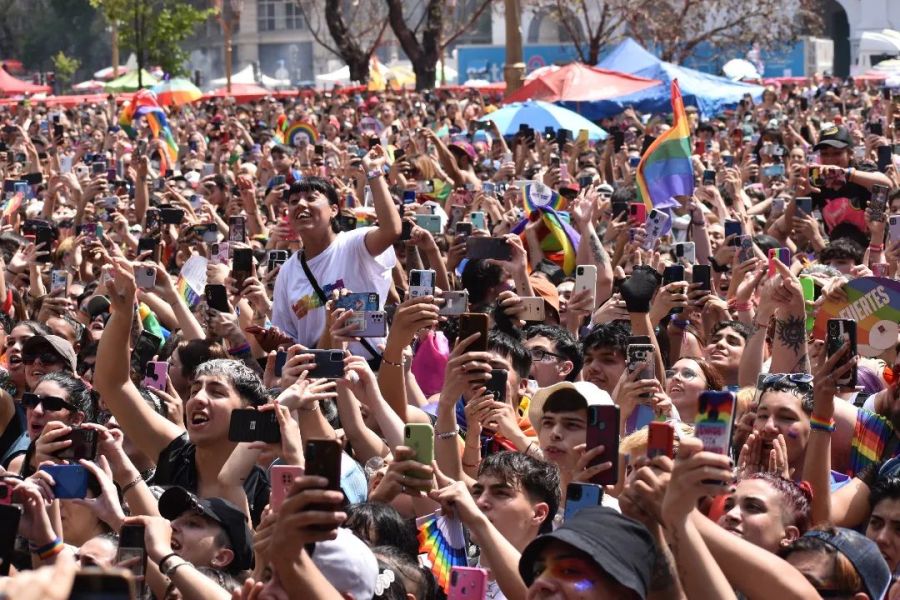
{"x":296,"y":130}
{"x":559,"y":240}
{"x":665,"y":170}
{"x":191,"y":297}
{"x":144,"y":104}
{"x":13,"y":205}
{"x":442,"y":539}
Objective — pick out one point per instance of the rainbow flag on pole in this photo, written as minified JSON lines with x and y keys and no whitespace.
{"x":144,"y":104}
{"x":665,"y":170}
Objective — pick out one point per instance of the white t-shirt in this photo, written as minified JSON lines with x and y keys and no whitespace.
{"x":346,"y":263}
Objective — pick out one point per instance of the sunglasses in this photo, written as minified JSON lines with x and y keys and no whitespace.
{"x":800,"y":380}
{"x":50,"y":403}
{"x":47,"y":358}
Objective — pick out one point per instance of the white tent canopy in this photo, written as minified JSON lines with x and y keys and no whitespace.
{"x":245,"y":75}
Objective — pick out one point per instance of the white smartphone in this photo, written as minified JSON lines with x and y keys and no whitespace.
{"x":533,"y":309}
{"x":894,"y":224}
{"x":686,"y":252}
{"x":586,"y":279}
{"x":59,"y":282}
{"x":455,"y":303}
{"x":655,"y":225}
{"x":421,"y":283}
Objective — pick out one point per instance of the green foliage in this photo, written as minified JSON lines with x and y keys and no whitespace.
{"x":65,"y":67}
{"x":159,"y":25}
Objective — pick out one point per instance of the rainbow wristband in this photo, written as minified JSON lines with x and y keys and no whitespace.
{"x":821,"y":424}
{"x":51,"y":549}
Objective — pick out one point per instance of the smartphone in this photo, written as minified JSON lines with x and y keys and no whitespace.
{"x":488,"y":248}
{"x":470,"y":324}
{"x":409,"y":196}
{"x":421,"y":283}
{"x":880,"y":269}
{"x":733,"y":227}
{"x":281,"y":478}
{"x":884,"y":156}
{"x":781,"y":254}
{"x":329,"y":364}
{"x":745,"y":248}
{"x":374,"y":324}
{"x":406,"y":230}
{"x":839,"y":332}
{"x":496,"y":385}
{"x":155,"y":375}
{"x":251,"y":425}
{"x":145,"y":277}
{"x":620,"y":207}
{"x":277,"y":180}
{"x":10,"y":515}
{"x":728,"y":160}
{"x":660,"y":439}
{"x":655,"y":226}
{"x":323,"y":459}
{"x":151,"y":245}
{"x":581,"y":495}
{"x":43,"y":240}
{"x":455,"y":303}
{"x":131,"y":546}
{"x":241,"y":264}
{"x":430,"y":223}
{"x":145,"y":348}
{"x":637,"y":213}
{"x":603,"y":430}
{"x":894,"y":227}
{"x":59,"y":282}
{"x":878,"y":202}
{"x":714,"y":421}
{"x":171,"y":215}
{"x":635,"y":355}
{"x":586,"y":279}
{"x":709,"y":177}
{"x":702,"y":274}
{"x":152,"y":219}
{"x":276,"y":258}
{"x":216,"y":297}
{"x":71,"y":481}
{"x":673,"y":273}
{"x":420,"y":437}
{"x":237,"y":230}
{"x":804,"y":205}
{"x":464,"y":229}
{"x":533,"y":309}
{"x":468,"y":583}
{"x":98,"y":168}
{"x":102,"y":585}
{"x":686,"y":252}
{"x":84,"y":445}
{"x":280,"y":361}
{"x":478,"y":220}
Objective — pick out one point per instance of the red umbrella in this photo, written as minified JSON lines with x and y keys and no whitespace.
{"x":242,"y":92}
{"x":10,"y":86}
{"x":577,"y":82}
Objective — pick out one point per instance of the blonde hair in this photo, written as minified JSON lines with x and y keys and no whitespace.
{"x":635,"y":444}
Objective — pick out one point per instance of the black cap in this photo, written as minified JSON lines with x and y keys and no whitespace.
{"x":834,"y":137}
{"x":620,"y":546}
{"x":176,"y":501}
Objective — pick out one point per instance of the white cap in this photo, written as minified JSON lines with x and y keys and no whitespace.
{"x":592,"y":395}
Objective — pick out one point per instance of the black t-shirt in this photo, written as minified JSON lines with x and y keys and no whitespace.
{"x":177,"y":465}
{"x":845,"y":205}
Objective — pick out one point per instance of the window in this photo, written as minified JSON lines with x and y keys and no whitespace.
{"x":273,"y":15}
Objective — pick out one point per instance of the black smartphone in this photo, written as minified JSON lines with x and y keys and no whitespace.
{"x":673,"y":273}
{"x":84,"y":445}
{"x":875,"y":128}
{"x":603,"y":430}
{"x":150,"y":245}
{"x":95,"y":584}
{"x":406,"y":230}
{"x":145,"y":349}
{"x":488,"y":247}
{"x":329,"y":364}
{"x":171,"y":215}
{"x":43,"y":240}
{"x":9,"y":529}
{"x":840,"y":331}
{"x":153,"y":219}
{"x":618,"y":139}
{"x":733,"y":228}
{"x":323,"y":459}
{"x":470,"y":324}
{"x":251,"y":425}
{"x":702,"y":274}
{"x":280,"y":360}
{"x":131,"y":547}
{"x":496,"y":385}
{"x":276,"y":257}
{"x":619,"y":207}
{"x":709,"y":177}
{"x":885,"y":157}
{"x":241,"y":265}
{"x":217,"y":297}
{"x":804,"y":103}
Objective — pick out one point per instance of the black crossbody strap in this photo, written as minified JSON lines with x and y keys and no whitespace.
{"x":324,"y":299}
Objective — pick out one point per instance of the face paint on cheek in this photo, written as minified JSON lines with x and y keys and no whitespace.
{"x":792,"y":432}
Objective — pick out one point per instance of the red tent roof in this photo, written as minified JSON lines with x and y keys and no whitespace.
{"x":9,"y":85}
{"x":578,"y":82}
{"x":242,"y":92}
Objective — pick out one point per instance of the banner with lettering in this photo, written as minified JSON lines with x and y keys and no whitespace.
{"x":874,"y":303}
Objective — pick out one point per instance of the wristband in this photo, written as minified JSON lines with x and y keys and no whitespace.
{"x":679,"y":323}
{"x":245,"y":347}
{"x":817,"y":424}
{"x":876,"y":247}
{"x":850,"y":171}
{"x":51,"y":549}
{"x":447,"y":434}
{"x":164,"y":560}
{"x":174,"y":568}
{"x":374,"y":174}
{"x":740,"y":306}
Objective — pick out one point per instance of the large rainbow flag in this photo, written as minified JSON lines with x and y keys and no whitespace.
{"x":144,"y":104}
{"x":665,"y":170}
{"x":559,"y":240}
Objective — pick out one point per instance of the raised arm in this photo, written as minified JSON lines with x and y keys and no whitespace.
{"x":381,"y":237}
{"x":150,"y":431}
{"x":789,"y":354}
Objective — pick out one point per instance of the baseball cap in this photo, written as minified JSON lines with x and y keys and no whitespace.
{"x":176,"y":501}
{"x":348,"y":564}
{"x":618,"y":545}
{"x":834,"y":137}
{"x":605,"y":188}
{"x":863,"y":553}
{"x":585,"y":390}
{"x":464,"y":147}
{"x":97,"y":306}
{"x":41,"y":343}
{"x":546,"y":290}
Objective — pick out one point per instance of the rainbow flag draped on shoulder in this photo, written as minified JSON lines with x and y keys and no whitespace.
{"x":144,"y":104}
{"x":559,"y":240}
{"x":666,"y":170}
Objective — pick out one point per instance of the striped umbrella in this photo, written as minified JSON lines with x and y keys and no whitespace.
{"x":176,"y":92}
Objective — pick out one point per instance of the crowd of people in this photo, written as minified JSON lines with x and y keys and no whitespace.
{"x":261,"y":370}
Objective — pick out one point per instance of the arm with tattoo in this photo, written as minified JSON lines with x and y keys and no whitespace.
{"x":789,"y":353}
{"x":591,"y":251}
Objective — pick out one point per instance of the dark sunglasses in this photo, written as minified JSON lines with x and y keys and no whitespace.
{"x":50,"y":403}
{"x":47,"y":358}
{"x":800,"y":380}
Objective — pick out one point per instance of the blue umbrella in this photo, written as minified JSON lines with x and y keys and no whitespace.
{"x":539,"y":115}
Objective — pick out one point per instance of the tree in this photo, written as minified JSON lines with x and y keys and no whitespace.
{"x":154,"y":29}
{"x":355,"y":28}
{"x":590,"y":25}
{"x":65,"y":67}
{"x":675,"y":28}
{"x":425,"y":42}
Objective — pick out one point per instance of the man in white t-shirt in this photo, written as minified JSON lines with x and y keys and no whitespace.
{"x":359,"y":261}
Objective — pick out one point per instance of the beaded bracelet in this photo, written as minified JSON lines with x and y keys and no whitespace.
{"x":131,"y":484}
{"x":817,"y":424}
{"x":393,"y":364}
{"x":447,"y":434}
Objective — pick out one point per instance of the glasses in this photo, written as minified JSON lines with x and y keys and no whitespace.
{"x":800,"y":380}
{"x":50,"y":403}
{"x":687,"y":374}
{"x":84,"y":368}
{"x":540,"y":355}
{"x":46,"y":358}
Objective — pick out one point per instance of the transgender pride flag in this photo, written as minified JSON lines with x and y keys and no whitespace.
{"x":665,"y":169}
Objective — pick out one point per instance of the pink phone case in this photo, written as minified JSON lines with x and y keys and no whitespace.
{"x":156,"y":380}
{"x":282,"y":478}
{"x":467,"y":583}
